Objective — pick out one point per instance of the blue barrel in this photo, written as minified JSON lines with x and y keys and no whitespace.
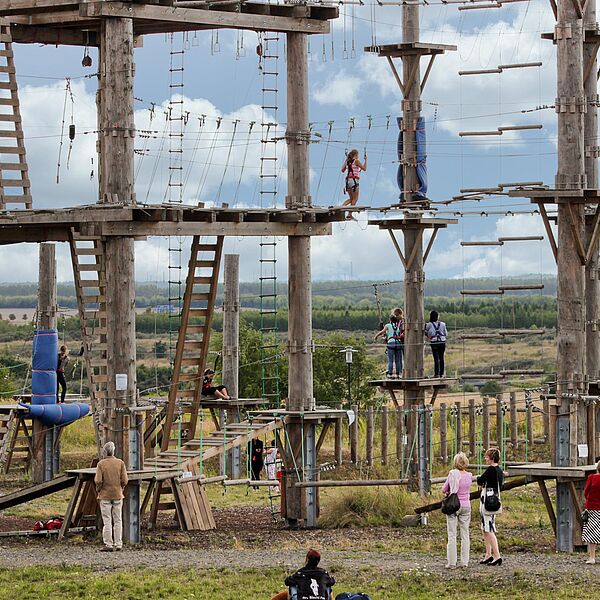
{"x":58,"y":414}
{"x":44,"y":363}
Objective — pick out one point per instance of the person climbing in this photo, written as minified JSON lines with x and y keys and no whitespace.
{"x":271,"y":459}
{"x":352,"y":167}
{"x":61,"y":382}
{"x":436,"y":333}
{"x":208,"y":389}
{"x":310,"y":582}
{"x":394,"y":336}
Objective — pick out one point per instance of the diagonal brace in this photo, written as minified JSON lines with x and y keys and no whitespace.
{"x":590,"y":64}
{"x":430,"y":244}
{"x":548,"y":229}
{"x":576,"y":236}
{"x":417,"y":246}
{"x":398,"y":249}
{"x":395,"y":73}
{"x":593,"y":243}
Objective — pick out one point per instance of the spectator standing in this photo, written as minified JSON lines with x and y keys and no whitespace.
{"x":110,"y":480}
{"x":491,"y":479}
{"x":459,"y":482}
{"x":591,"y":527}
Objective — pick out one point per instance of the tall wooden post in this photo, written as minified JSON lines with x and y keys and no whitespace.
{"x":231,"y":349}
{"x":299,"y":344}
{"x":116,"y":133}
{"x":570,"y":106}
{"x":44,"y":439}
{"x":592,"y":268}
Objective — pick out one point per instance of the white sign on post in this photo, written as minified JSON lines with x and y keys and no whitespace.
{"x":351,"y":416}
{"x":121,"y":382}
{"x":582,"y":450}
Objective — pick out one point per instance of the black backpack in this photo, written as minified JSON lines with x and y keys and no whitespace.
{"x":311,"y":586}
{"x":352,"y":596}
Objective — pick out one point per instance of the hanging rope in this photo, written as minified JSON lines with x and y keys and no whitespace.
{"x":68,"y":95}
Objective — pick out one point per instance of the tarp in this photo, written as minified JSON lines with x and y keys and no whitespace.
{"x":44,"y":362}
{"x":421,"y":157}
{"x":57,"y":414}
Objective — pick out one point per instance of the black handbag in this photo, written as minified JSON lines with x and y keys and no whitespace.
{"x":450,"y":504}
{"x":585,"y":515}
{"x":491,"y":500}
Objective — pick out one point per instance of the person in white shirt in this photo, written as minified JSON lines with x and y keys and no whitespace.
{"x":436,"y":333}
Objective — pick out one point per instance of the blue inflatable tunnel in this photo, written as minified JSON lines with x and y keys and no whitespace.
{"x":57,"y":414}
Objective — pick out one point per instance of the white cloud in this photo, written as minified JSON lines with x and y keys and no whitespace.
{"x":342,"y":89}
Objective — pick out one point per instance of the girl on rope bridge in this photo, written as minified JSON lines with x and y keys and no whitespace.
{"x":394,"y":336}
{"x":352,"y":167}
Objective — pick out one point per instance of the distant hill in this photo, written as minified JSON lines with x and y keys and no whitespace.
{"x":332,"y":294}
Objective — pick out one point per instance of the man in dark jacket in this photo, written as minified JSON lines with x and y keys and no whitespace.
{"x":310,"y":582}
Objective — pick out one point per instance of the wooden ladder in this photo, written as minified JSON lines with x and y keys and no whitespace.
{"x":192,"y":344}
{"x":7,"y":424}
{"x":89,"y":271}
{"x":19,"y":444}
{"x":197,"y":450}
{"x":15,"y":188}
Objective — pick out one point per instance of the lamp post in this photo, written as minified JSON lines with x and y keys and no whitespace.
{"x":348,"y":351}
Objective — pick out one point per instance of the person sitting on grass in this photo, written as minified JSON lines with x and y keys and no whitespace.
{"x":208,"y":389}
{"x":309,"y":582}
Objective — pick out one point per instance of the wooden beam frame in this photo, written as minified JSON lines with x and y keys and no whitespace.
{"x":427,"y":72}
{"x":588,"y":67}
{"x":395,"y":73}
{"x":398,"y":249}
{"x":548,"y":503}
{"x":594,"y":239}
{"x":548,"y":229}
{"x":416,"y":246}
{"x":576,"y":236}
{"x":201,"y":17}
{"x":430,"y":244}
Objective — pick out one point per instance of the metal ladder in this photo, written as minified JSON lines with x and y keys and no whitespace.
{"x":268,"y":199}
{"x":14,"y":174}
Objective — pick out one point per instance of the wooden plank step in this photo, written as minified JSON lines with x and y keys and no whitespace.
{"x":88,"y":251}
{"x":13,"y":166}
{"x":198,"y":312}
{"x":193,"y":344}
{"x":205,"y":264}
{"x":11,"y":150}
{"x":195,"y":329}
{"x":91,"y":283}
{"x":207,"y":247}
{"x":200,"y":296}
{"x":94,"y":267}
{"x":202,"y":280}
{"x":15,"y":183}
{"x":190,"y":360}
{"x":10,"y":118}
{"x":177,"y":453}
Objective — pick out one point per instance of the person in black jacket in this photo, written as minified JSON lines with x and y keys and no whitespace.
{"x":309,"y":582}
{"x":491,"y":479}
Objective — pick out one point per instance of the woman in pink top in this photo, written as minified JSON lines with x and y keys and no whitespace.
{"x":459,"y":482}
{"x":352,"y":167}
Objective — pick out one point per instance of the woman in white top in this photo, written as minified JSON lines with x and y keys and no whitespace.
{"x":436,"y":333}
{"x":394,"y":335}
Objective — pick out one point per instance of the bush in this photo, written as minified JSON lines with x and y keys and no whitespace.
{"x":12,"y":316}
{"x":367,"y":506}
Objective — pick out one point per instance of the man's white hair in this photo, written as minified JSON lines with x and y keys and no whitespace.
{"x":108,"y":449}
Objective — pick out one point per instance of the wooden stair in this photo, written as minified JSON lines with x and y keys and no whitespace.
{"x":15,"y":187}
{"x":197,"y":450}
{"x":192,"y":346}
{"x":18,"y":443}
{"x":8,"y":422}
{"x":89,"y":272}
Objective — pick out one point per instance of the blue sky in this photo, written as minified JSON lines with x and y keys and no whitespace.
{"x":352,"y":92}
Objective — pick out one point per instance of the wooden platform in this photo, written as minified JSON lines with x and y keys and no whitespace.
{"x":320,"y":415}
{"x":547,"y":471}
{"x":163,"y":220}
{"x":409,"y":48}
{"x":78,"y":23}
{"x":411,"y":384}
{"x":409,"y":221}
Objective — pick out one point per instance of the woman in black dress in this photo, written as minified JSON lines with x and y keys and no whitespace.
{"x":491,"y":479}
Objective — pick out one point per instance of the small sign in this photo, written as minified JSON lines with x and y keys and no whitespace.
{"x":582,"y":450}
{"x":186,"y":475}
{"x":351,"y":416}
{"x":121,"y":382}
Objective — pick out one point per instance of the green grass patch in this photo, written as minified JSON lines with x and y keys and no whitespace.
{"x":255,"y":584}
{"x":367,"y":506}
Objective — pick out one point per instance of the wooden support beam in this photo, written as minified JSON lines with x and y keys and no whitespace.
{"x":591,"y":62}
{"x":395,"y":73}
{"x":398,"y":249}
{"x":576,"y":236}
{"x":415,"y":248}
{"x":554,"y":8}
{"x":548,"y":229}
{"x":323,"y":435}
{"x":210,"y":18}
{"x":427,"y":72}
{"x":430,"y":243}
{"x":548,"y":503}
{"x":592,"y":246}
